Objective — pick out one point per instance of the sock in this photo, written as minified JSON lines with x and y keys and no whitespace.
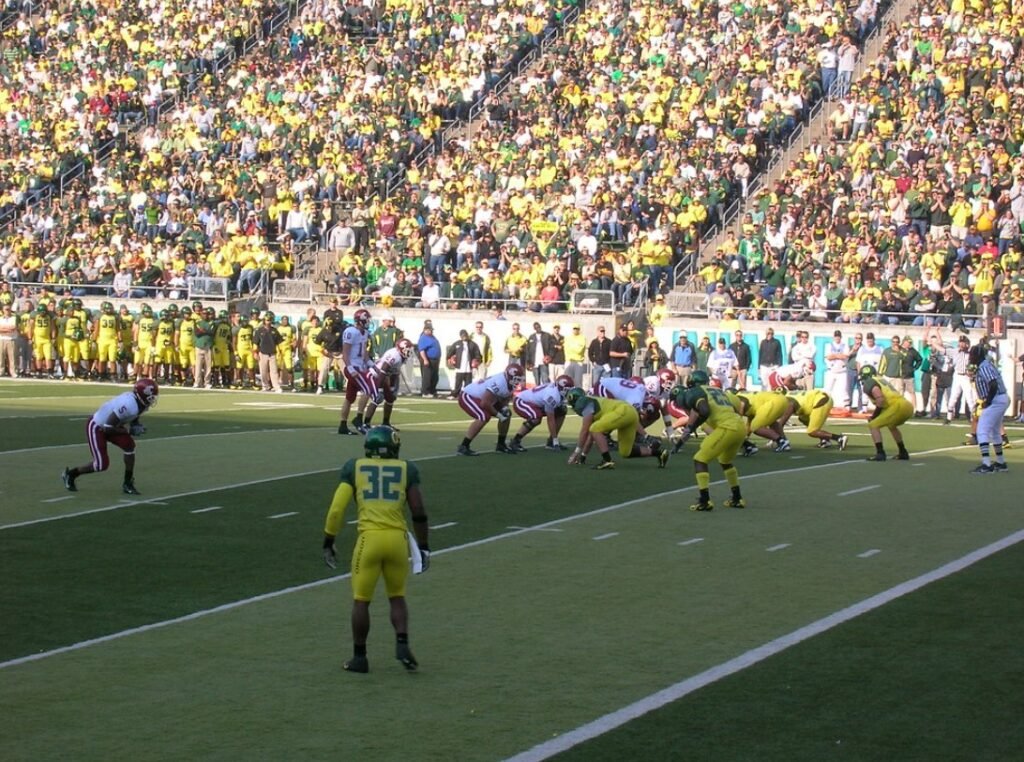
{"x":358,"y":420}
{"x":901,"y":448}
{"x":736,"y":493}
{"x":606,"y":456}
{"x":703,"y":483}
{"x":74,"y":473}
{"x":732,"y":476}
{"x":501,"y":440}
{"x":466,"y":442}
{"x":359,"y":650}
{"x":517,"y":439}
{"x":985,"y":461}
{"x":402,"y":637}
{"x":128,"y":475}
{"x":999,"y":453}
{"x":879,"y":449}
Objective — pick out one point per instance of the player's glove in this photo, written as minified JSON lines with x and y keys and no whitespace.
{"x":424,"y":558}
{"x":503,"y":413}
{"x":330,"y":557}
{"x":681,"y":441}
{"x":137,"y":430}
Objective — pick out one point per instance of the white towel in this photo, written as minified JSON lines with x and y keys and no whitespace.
{"x":415,"y":558}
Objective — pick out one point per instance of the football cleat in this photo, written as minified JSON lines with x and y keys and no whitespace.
{"x":129,"y":489}
{"x":878,"y":457}
{"x":556,"y":447}
{"x":1007,"y":444}
{"x":516,"y":447}
{"x":749,"y":449}
{"x":735,"y":503}
{"x":69,"y":480}
{"x":983,"y":469}
{"x":464,"y":450}
{"x":358,"y":664}
{"x":842,"y":440}
{"x":904,"y":455}
{"x":663,"y":456}
{"x":1000,"y":467}
{"x":504,"y":448}
{"x":972,"y":439}
{"x":345,"y":430}
{"x":404,"y":655}
{"x":702,"y":506}
{"x":604,"y":465}
{"x":782,"y":445}
{"x":824,"y":444}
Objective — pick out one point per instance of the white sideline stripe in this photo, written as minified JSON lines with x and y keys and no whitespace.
{"x":869,"y":553}
{"x":919,"y":464}
{"x":207,"y":510}
{"x":859,"y":489}
{"x":549,"y":526}
{"x":683,"y":688}
{"x":780,"y":546}
{"x":694,"y":541}
{"x":126,"y":503}
{"x":57,"y":499}
{"x":283,"y":515}
{"x":606,"y":536}
{"x":445,"y":525}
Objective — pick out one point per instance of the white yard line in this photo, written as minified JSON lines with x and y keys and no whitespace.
{"x":869,"y":553}
{"x":780,"y":546}
{"x":859,"y":489}
{"x":207,"y":510}
{"x":58,"y":499}
{"x":283,"y":515}
{"x":685,"y":687}
{"x":693,"y":541}
{"x":445,"y":525}
{"x":549,"y":526}
{"x":606,"y":536}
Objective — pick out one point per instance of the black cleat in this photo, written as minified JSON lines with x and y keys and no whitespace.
{"x":1000,"y":467}
{"x":69,"y":480}
{"x":904,"y":455}
{"x":358,"y":664}
{"x":465,"y":450}
{"x":878,"y":457}
{"x":983,"y":469}
{"x":404,"y":655}
{"x":129,"y":489}
{"x":504,"y":448}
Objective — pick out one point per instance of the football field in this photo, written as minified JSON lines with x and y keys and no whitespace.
{"x":854,"y":610}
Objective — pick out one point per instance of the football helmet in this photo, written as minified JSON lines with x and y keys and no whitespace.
{"x":667,"y":378}
{"x":868,"y":371}
{"x":382,"y":442}
{"x":564,"y":384}
{"x":697,"y":378}
{"x":362,"y":318}
{"x":146,"y":392}
{"x":406,"y":348}
{"x":652,"y":385}
{"x":972,"y":370}
{"x":637,"y":380}
{"x":186,"y":311}
{"x":209,"y":313}
{"x":515,"y":375}
{"x":650,"y":408}
{"x":147,"y":311}
{"x":977,"y":354}
{"x":107,"y":308}
{"x":809,"y":366}
{"x":716,"y":382}
{"x":574,"y":395}
{"x":41,"y":308}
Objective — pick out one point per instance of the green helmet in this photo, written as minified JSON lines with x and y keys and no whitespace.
{"x":172,"y":308}
{"x":697,"y":378}
{"x":223,"y":314}
{"x":574,"y":395}
{"x":107,"y":308}
{"x":868,"y":371}
{"x":147,"y":310}
{"x":186,"y":310}
{"x":382,"y":442}
{"x":676,"y":392}
{"x":76,"y":303}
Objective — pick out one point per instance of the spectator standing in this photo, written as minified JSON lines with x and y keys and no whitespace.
{"x":538,"y":354}
{"x":429,"y":350}
{"x":684,"y":357}
{"x":598,"y":354}
{"x":463,"y":358}
{"x":266,"y":338}
{"x":8,"y":340}
{"x":557,"y":351}
{"x":961,"y":390}
{"x":847,"y":61}
{"x":620,"y":353}
{"x":205,"y":328}
{"x":803,"y":352}
{"x":575,"y":354}
{"x":483,"y":342}
{"x":515,"y":346}
{"x":912,"y":361}
{"x":743,"y":359}
{"x":769,"y":355}
{"x":384,"y":337}
{"x":836,"y":356}
{"x":703,"y":352}
{"x":852,"y":386}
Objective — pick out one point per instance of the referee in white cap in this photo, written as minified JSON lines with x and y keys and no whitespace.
{"x":991,"y":391}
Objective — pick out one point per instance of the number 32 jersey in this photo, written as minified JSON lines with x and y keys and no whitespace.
{"x":379,"y":487}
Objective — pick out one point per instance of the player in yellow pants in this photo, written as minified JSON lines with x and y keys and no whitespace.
{"x":601,"y":417}
{"x":812,"y":410}
{"x":892,"y":410}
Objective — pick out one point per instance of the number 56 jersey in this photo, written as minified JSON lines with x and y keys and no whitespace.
{"x":379,"y":487}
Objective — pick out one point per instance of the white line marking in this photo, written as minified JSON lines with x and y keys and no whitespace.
{"x":859,"y":489}
{"x":283,"y":515}
{"x":179,"y":425}
{"x":780,"y":546}
{"x":207,"y":510}
{"x":445,"y":525}
{"x":155,"y":502}
{"x":683,"y":688}
{"x":606,"y":536}
{"x":796,"y":457}
{"x":918,"y":464}
{"x":869,"y":553}
{"x":550,"y":526}
{"x":694,"y":541}
{"x":58,"y":499}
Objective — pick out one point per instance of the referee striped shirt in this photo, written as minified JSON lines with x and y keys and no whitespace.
{"x":986,"y":374}
{"x":961,"y":359}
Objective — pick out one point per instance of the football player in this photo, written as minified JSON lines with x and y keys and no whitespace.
{"x":144,"y":340}
{"x":763,"y":412}
{"x":286,"y":352}
{"x":116,"y":423}
{"x":354,"y":352}
{"x":892,"y":410}
{"x":245,"y":352}
{"x":812,"y":410}
{"x":166,"y":356}
{"x":383,"y":377}
{"x":706,"y":404}
{"x":546,"y":402}
{"x":185,"y":345}
{"x":382,"y":485}
{"x":786,"y":376}
{"x":601,"y":416}
{"x":44,"y":331}
{"x":487,"y":399}
{"x":106,"y":332}
{"x":222,"y":350}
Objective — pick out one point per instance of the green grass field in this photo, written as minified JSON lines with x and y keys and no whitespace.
{"x":842,"y":615}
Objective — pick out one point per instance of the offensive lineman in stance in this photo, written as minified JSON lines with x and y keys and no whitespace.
{"x":116,"y":422}
{"x":383,"y":485}
{"x":892,"y":410}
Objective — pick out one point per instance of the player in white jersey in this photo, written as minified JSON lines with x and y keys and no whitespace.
{"x":354,"y":353}
{"x":487,"y":399}
{"x":383,"y":378}
{"x":546,"y":401}
{"x":786,"y":376}
{"x":627,"y":390}
{"x":116,"y":422}
{"x":658,"y":386}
